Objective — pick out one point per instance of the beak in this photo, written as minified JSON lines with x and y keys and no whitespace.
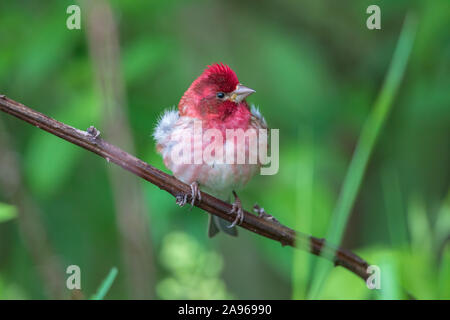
{"x":241,"y":93}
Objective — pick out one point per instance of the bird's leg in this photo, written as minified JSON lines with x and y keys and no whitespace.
{"x":262,"y":214}
{"x":237,"y":208}
{"x":181,"y":199}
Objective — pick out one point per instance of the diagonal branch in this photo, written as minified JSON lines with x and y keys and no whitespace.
{"x":264,"y":227}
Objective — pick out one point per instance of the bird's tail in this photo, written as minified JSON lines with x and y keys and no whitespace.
{"x":216,"y":224}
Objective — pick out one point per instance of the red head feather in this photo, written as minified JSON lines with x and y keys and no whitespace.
{"x":222,"y":76}
{"x":200,"y":100}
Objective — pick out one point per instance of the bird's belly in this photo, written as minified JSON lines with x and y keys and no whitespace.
{"x":217,"y":177}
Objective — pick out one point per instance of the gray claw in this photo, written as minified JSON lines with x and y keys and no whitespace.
{"x":262,"y":214}
{"x":237,"y":208}
{"x":181,"y":200}
{"x":195,"y":193}
{"x":93,"y":132}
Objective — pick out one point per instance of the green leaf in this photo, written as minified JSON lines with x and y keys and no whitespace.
{"x":390,"y":288}
{"x":442,"y":224}
{"x":444,"y":275}
{"x":7,"y":212}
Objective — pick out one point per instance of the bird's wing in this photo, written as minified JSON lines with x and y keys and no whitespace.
{"x":257,"y":119}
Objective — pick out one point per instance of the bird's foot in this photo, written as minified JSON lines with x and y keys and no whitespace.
{"x":237,"y":208}
{"x":93,"y":132}
{"x":181,"y":199}
{"x":262,"y":214}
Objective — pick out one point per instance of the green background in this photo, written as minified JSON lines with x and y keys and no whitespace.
{"x":317,"y":71}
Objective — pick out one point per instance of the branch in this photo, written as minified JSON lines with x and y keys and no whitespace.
{"x":264,"y":227}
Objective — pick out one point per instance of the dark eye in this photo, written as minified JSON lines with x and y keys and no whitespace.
{"x":220,"y":95}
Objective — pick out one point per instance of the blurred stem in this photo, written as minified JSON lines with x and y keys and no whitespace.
{"x":304,"y":204}
{"x":365,"y":146}
{"x":31,"y":226}
{"x":131,"y":211}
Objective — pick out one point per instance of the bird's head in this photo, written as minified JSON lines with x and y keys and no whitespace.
{"x":215,"y":94}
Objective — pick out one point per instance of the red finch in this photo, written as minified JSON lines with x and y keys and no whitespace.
{"x":216,"y":100}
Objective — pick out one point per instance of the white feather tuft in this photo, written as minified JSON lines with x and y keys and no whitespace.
{"x":166,"y":123}
{"x":255,"y":111}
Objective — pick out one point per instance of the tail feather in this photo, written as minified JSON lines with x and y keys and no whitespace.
{"x":216,"y":224}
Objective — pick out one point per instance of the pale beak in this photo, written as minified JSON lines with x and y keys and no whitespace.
{"x":241,"y":93}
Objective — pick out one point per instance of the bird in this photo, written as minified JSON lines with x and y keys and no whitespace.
{"x":216,"y":100}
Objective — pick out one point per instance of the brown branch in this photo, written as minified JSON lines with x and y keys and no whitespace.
{"x":264,"y":227}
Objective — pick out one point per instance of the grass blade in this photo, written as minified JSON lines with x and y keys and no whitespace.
{"x":365,"y":145}
{"x":106,"y":285}
{"x":395,"y":212}
{"x":301,"y":263}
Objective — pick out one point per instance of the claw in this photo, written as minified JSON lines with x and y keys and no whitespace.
{"x":237,"y":208}
{"x":93,"y":132}
{"x":195,"y":193}
{"x":262,"y":214}
{"x":181,"y":200}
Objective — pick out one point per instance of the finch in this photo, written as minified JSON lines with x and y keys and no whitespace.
{"x":216,"y":100}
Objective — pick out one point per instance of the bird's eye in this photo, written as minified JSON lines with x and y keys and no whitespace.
{"x":220,"y":95}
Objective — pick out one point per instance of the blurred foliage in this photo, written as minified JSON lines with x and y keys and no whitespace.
{"x":7,"y":212}
{"x":317,"y":71}
{"x":11,"y":291}
{"x":194,"y":272}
